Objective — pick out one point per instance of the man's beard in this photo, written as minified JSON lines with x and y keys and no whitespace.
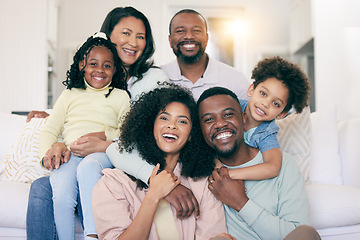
{"x":189,"y":59}
{"x":227,"y":153}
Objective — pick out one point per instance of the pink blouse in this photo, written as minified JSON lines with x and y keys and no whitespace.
{"x":116,"y":201}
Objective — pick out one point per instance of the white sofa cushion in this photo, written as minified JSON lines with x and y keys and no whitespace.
{"x":325,"y":163}
{"x":349,"y":139}
{"x":333,"y":205}
{"x":10,"y":126}
{"x":13,"y":204}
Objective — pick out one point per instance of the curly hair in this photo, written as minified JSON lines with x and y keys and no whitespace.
{"x":137,"y":131}
{"x":291,"y":75}
{"x":143,"y":64}
{"x":75,"y":76}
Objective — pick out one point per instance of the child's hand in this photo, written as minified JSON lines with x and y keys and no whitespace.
{"x":55,"y":156}
{"x":162,"y":184}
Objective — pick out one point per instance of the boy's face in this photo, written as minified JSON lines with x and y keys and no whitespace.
{"x":268,"y":100}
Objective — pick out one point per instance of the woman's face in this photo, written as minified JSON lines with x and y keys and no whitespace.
{"x":172,"y":128}
{"x":129,"y":37}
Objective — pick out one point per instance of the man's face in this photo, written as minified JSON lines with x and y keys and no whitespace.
{"x":188,"y":37}
{"x":222,"y":124}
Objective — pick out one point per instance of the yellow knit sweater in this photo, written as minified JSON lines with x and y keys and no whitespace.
{"x":81,"y":111}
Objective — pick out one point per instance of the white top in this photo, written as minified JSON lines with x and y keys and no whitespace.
{"x":216,"y":74}
{"x":147,"y":83}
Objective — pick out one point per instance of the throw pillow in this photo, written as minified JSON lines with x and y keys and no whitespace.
{"x":22,"y":163}
{"x":326,"y":163}
{"x":295,"y":138}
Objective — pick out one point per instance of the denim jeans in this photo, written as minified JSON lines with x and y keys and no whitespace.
{"x":40,"y":215}
{"x":65,"y":195}
{"x":88,"y":174}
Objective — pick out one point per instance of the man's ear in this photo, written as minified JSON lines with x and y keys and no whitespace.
{"x":250,"y":90}
{"x":281,"y":115}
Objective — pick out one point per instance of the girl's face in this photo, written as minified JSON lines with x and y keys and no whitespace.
{"x":100,"y":67}
{"x":129,"y":37}
{"x":172,"y":128}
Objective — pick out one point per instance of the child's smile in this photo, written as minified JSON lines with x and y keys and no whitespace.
{"x":267,"y":101}
{"x":100,"y":68}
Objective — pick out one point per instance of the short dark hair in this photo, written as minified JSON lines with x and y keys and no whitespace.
{"x":197,"y":157}
{"x":187,"y":11}
{"x":216,"y":91}
{"x":143,"y":64}
{"x":288,"y":73}
{"x":75,"y":76}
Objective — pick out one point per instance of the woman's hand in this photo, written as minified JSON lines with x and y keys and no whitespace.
{"x":36,"y":114}
{"x":89,"y":143}
{"x":161,"y":184}
{"x":56,"y":155}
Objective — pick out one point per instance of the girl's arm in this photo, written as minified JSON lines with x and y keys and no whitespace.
{"x":52,"y":129}
{"x":269,"y":169}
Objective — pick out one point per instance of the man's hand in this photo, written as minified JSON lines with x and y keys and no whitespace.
{"x":89,"y":143}
{"x":36,"y":114}
{"x":229,"y":191}
{"x":56,"y":156}
{"x":184,"y":202}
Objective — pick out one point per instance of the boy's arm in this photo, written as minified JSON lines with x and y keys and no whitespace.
{"x":269,"y":169}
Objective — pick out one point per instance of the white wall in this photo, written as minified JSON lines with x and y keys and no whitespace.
{"x":337,"y":55}
{"x":268,"y":26}
{"x":23,"y":58}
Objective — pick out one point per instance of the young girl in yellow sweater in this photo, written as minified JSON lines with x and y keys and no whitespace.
{"x":95,"y":100}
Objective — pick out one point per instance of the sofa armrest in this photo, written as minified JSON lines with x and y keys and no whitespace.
{"x":349,"y":149}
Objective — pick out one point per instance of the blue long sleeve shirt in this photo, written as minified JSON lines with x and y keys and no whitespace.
{"x":276,"y":206}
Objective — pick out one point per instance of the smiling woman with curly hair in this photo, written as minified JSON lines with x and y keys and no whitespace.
{"x":137,"y":131}
{"x":163,"y":127}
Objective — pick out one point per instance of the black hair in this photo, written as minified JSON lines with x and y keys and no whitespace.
{"x":75,"y":75}
{"x":291,"y":75}
{"x":197,"y":158}
{"x":143,"y":64}
{"x":187,"y":11}
{"x":216,"y":91}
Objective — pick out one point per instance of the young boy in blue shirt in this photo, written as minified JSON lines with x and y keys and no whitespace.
{"x":278,"y":87}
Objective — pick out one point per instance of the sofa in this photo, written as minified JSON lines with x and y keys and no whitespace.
{"x":325,"y":149}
